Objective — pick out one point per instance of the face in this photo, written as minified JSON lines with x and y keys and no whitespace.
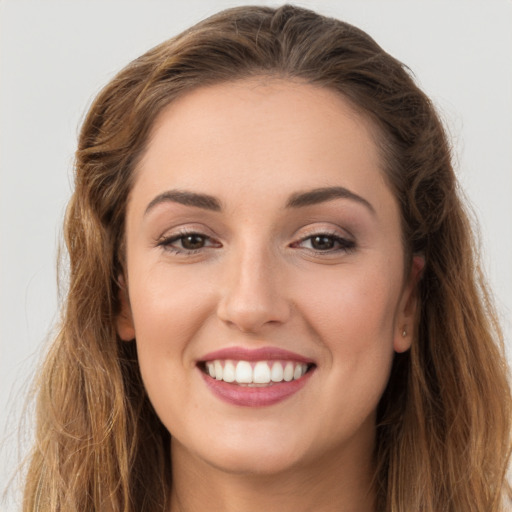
{"x":265,"y":281}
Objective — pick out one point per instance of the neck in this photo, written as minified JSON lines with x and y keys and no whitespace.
{"x":325,"y":485}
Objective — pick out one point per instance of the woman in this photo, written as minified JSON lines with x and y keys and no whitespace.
{"x":274,"y":300}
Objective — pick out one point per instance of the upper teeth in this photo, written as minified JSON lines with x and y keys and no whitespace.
{"x":260,"y":372}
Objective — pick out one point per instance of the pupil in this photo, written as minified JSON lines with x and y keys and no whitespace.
{"x":193,"y":242}
{"x":322,"y":242}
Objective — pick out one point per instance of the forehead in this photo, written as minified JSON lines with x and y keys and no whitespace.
{"x":270,"y":133}
{"x":276,"y":100}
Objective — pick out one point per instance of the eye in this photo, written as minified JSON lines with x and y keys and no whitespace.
{"x":325,"y":242}
{"x":187,"y":243}
{"x":192,"y":242}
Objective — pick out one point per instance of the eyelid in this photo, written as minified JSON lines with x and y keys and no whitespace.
{"x":184,"y":230}
{"x":165,"y":241}
{"x":346,"y":241}
{"x":318,"y":228}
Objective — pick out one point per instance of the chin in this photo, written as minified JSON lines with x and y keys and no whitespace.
{"x":257,"y":462}
{"x":247,"y":456}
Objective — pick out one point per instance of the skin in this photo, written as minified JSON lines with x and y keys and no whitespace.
{"x":258,"y":279}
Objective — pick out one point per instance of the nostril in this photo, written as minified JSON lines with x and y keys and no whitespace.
{"x":250,"y":320}
{"x":253,"y":298}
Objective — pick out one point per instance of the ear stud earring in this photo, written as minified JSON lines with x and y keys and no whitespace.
{"x":404,"y":332}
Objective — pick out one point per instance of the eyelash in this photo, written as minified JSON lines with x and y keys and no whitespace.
{"x":343,"y":244}
{"x":167,"y":243}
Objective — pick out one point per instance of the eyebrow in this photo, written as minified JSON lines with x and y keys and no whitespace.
{"x":298,"y":200}
{"x":204,"y":201}
{"x":321,"y":195}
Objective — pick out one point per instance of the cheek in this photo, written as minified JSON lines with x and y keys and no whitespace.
{"x":350,"y":313}
{"x":356,"y":306}
{"x":167,"y":305}
{"x":353,"y":315}
{"x":167,"y":314}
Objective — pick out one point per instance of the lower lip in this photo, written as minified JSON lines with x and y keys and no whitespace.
{"x":247,"y":396}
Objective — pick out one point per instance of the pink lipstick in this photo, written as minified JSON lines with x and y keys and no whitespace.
{"x":254,"y":378}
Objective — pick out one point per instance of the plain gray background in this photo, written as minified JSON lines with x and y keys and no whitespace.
{"x":55,"y":55}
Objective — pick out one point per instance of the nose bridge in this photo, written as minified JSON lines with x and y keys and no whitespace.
{"x":253,"y":294}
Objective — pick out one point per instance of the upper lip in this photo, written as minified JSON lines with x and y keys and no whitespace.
{"x":257,"y":354}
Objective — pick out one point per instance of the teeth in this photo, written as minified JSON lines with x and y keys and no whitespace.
{"x":228,"y":375}
{"x":288,"y":372}
{"x":277,"y":374}
{"x":218,"y":370}
{"x":260,"y":372}
{"x":243,"y":373}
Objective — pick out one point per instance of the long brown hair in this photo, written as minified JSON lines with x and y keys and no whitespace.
{"x":443,"y":431}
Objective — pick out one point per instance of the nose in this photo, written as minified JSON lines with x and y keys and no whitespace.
{"x":253,"y":296}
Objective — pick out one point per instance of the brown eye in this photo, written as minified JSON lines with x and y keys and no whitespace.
{"x":188,"y":243}
{"x":192,"y":242}
{"x":326,"y":243}
{"x":322,"y":242}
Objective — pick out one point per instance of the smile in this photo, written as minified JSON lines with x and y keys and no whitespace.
{"x":258,"y":373}
{"x":255,"y":378}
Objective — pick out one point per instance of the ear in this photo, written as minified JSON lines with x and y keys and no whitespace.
{"x":408,"y":307}
{"x":124,"y":320}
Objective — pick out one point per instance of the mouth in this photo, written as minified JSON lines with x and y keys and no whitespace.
{"x":255,"y":373}
{"x":258,"y":377}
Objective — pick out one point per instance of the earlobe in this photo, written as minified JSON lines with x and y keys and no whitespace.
{"x":408,"y":308}
{"x":403,"y":340}
{"x":124,"y":320}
